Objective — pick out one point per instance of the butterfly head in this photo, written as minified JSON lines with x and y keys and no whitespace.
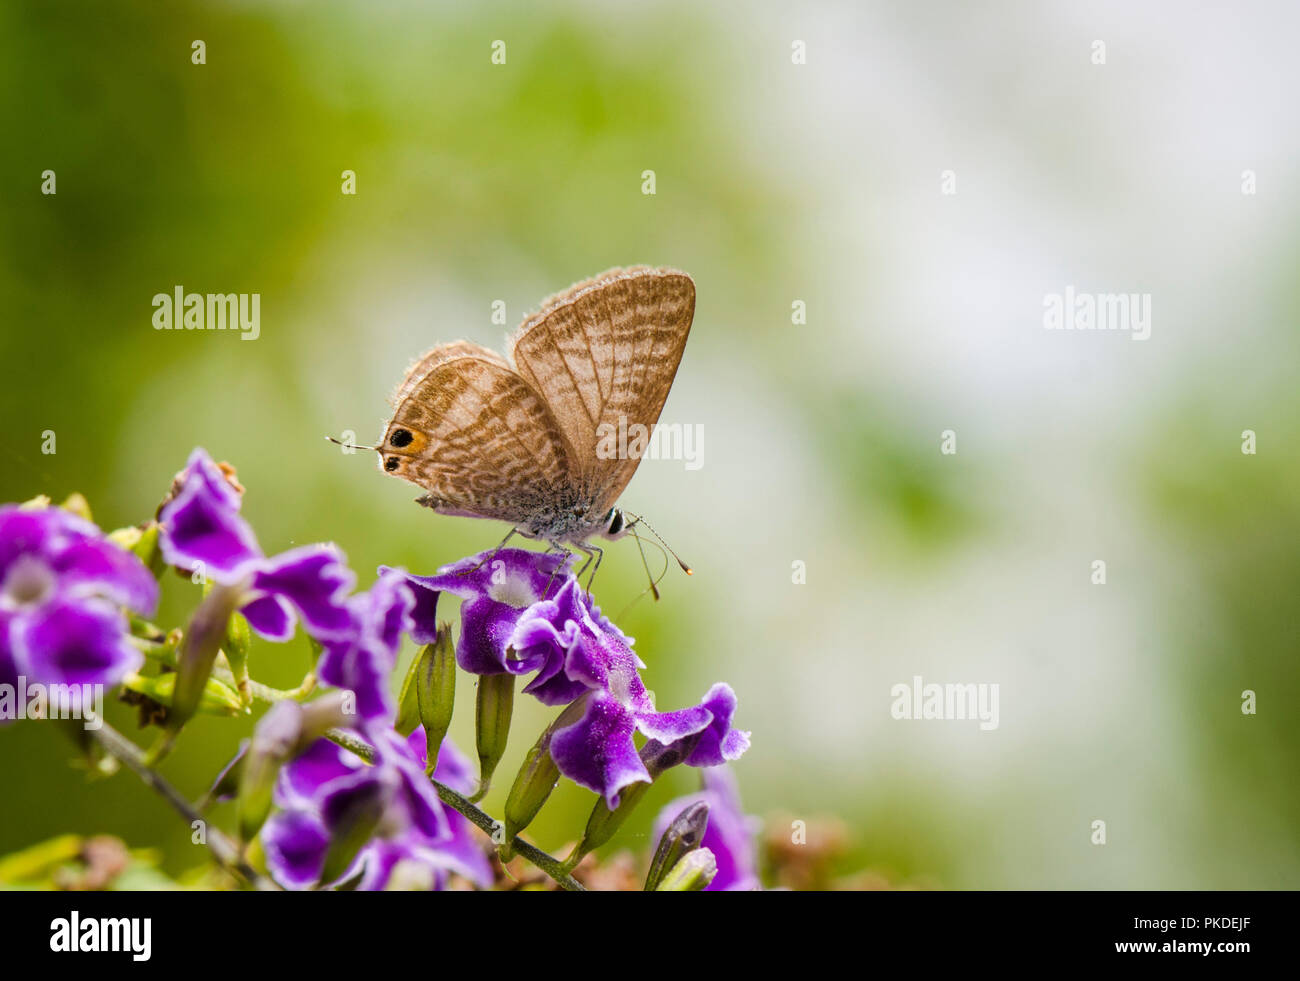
{"x":614,"y":525}
{"x":397,"y":448}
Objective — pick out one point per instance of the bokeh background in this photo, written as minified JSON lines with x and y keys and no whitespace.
{"x":776,"y":182}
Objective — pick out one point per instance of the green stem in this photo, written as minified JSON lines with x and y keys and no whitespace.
{"x":222,"y":848}
{"x":480,"y":819}
{"x":265,"y":693}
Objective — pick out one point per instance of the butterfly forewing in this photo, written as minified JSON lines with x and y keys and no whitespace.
{"x":604,"y":354}
{"x":484,"y":442}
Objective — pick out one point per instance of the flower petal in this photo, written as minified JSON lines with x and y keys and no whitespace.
{"x":424,"y":614}
{"x":271,"y":617}
{"x":304,"y":780}
{"x":295,"y":843}
{"x":98,"y":566}
{"x":515,"y":576}
{"x":315,"y":580}
{"x":201,"y":524}
{"x":75,"y":643}
{"x":597,"y":751}
{"x":719,"y":743}
{"x":668,"y":727}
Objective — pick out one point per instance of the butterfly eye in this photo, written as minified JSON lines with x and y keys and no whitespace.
{"x":391,"y":464}
{"x":400,"y":438}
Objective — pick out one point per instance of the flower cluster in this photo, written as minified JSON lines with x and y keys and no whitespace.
{"x":523,"y":613}
{"x":62,"y":589}
{"x":368,"y":816}
{"x":408,"y":840}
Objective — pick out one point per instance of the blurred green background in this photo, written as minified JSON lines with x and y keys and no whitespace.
{"x":776,"y":182}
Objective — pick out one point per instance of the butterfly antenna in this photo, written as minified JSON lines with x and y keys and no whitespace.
{"x":351,"y":446}
{"x":637,"y":519}
{"x":654,"y":585}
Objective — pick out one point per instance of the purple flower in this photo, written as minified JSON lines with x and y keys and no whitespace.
{"x":497,"y":587}
{"x":361,"y":659}
{"x":415,"y":842}
{"x":62,"y":589}
{"x":202,"y":531}
{"x":525,"y":612}
{"x":730,"y":832}
{"x":717,"y":743}
{"x":598,"y":753}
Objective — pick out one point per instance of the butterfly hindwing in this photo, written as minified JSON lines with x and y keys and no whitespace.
{"x":604,"y":354}
{"x":481,"y":440}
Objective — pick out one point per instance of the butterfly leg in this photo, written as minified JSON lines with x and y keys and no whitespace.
{"x":513,"y":532}
{"x":556,"y":546}
{"x":594,"y":555}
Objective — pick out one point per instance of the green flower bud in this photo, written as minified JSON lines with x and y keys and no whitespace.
{"x":239,"y":637}
{"x":435,"y":691}
{"x":142,"y":542}
{"x":682,"y":836}
{"x":273,"y":743}
{"x":215,"y":697}
{"x":496,"y":701}
{"x":603,"y":823}
{"x":535,"y":779}
{"x":198,"y":652}
{"x":285,"y":732}
{"x":694,"y":872}
{"x":77,"y":504}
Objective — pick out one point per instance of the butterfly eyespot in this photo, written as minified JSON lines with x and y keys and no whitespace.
{"x":400,"y":438}
{"x":392,"y":463}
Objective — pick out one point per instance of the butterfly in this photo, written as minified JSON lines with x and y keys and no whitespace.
{"x":518,"y":438}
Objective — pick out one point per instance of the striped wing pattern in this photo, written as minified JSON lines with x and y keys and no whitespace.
{"x":605,"y":353}
{"x":485,"y":443}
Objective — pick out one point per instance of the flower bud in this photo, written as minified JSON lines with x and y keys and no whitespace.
{"x":285,"y":732}
{"x":435,"y":691}
{"x":535,"y":779}
{"x":692,"y":873}
{"x":198,"y":652}
{"x":274,"y":741}
{"x":496,"y":700}
{"x":603,"y":823}
{"x":77,"y":504}
{"x":321,"y":715}
{"x":142,"y":542}
{"x":682,"y":836}
{"x":215,"y":697}
{"x":239,"y":637}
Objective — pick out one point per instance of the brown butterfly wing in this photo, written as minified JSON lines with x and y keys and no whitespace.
{"x":605,"y":350}
{"x":482,"y":442}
